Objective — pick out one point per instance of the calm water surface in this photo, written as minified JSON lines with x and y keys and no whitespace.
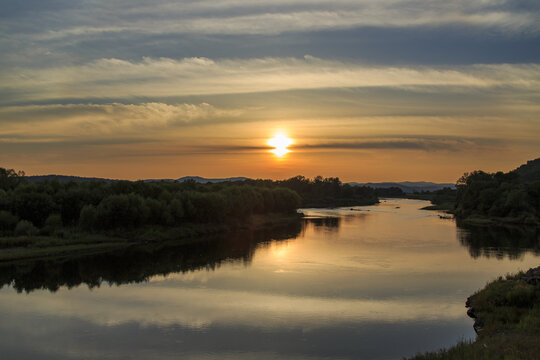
{"x":374,"y":282}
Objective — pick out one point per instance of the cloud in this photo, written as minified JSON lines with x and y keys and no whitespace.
{"x":418,"y":142}
{"x":94,"y":119}
{"x":41,"y":34}
{"x":165,"y":77}
{"x":424,"y":143}
{"x":241,"y":17}
{"x":138,"y":145}
{"x":200,"y":308}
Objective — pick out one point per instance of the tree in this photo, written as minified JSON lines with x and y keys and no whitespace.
{"x":8,"y":221}
{"x":34,"y":206}
{"x":88,"y":218}
{"x":9,"y":178}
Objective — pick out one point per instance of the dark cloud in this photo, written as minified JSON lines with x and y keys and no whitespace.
{"x":428,"y":143}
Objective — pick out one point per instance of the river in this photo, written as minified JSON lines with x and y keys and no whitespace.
{"x":370,"y":282}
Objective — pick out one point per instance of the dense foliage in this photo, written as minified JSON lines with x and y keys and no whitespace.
{"x":44,"y":207}
{"x":323,"y":192}
{"x":498,"y":195}
{"x":530,"y":171}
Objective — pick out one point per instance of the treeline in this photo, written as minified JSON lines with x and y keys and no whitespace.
{"x":44,"y":207}
{"x":324,"y":192}
{"x":442,"y":199}
{"x":390,"y":192}
{"x":498,"y":195}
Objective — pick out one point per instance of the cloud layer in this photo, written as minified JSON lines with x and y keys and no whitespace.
{"x":105,"y":80}
{"x":164,"y":77}
{"x":257,"y":17}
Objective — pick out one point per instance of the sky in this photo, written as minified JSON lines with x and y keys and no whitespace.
{"x":368,"y":90}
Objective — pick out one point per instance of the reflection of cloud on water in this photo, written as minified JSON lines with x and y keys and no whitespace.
{"x":200,"y":307}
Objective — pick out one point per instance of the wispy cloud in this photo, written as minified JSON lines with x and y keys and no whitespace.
{"x":424,"y":143}
{"x":119,"y":146}
{"x":162,"y":77}
{"x":303,"y":21}
{"x":254,"y":17}
{"x":411,"y":142}
{"x":104,"y":119}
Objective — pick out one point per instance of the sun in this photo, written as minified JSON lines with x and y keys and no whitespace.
{"x":280,"y":143}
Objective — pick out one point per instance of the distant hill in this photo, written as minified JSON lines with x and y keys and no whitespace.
{"x":407,"y":187}
{"x":66,"y":178}
{"x":202,"y":180}
{"x":530,"y":171}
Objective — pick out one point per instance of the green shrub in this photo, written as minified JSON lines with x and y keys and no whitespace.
{"x":88,"y":218}
{"x":53,"y":223}
{"x":8,"y":221}
{"x":25,"y":228}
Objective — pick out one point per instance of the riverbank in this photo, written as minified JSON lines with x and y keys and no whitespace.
{"x":477,"y":220}
{"x":334,"y":203}
{"x":74,"y":242}
{"x":507,"y":321}
{"x":442,"y":200}
{"x":474,"y":220}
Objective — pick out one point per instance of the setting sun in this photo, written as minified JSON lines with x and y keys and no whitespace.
{"x":280,"y":143}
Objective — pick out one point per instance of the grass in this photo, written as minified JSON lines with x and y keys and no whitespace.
{"x":507,"y":314}
{"x":73,"y":242}
{"x":62,"y":244}
{"x":19,"y":253}
{"x":479,"y":220}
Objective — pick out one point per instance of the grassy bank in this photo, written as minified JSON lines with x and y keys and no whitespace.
{"x":507,"y":321}
{"x":478,"y":220}
{"x":74,"y":242}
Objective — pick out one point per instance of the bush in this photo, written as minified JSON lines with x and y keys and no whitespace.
{"x":7,"y":221}
{"x":122,"y":211}
{"x":25,"y":228}
{"x":176,"y":210}
{"x":52,"y":223}
{"x":34,"y":206}
{"x":88,"y":218}
{"x":157,"y":211}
